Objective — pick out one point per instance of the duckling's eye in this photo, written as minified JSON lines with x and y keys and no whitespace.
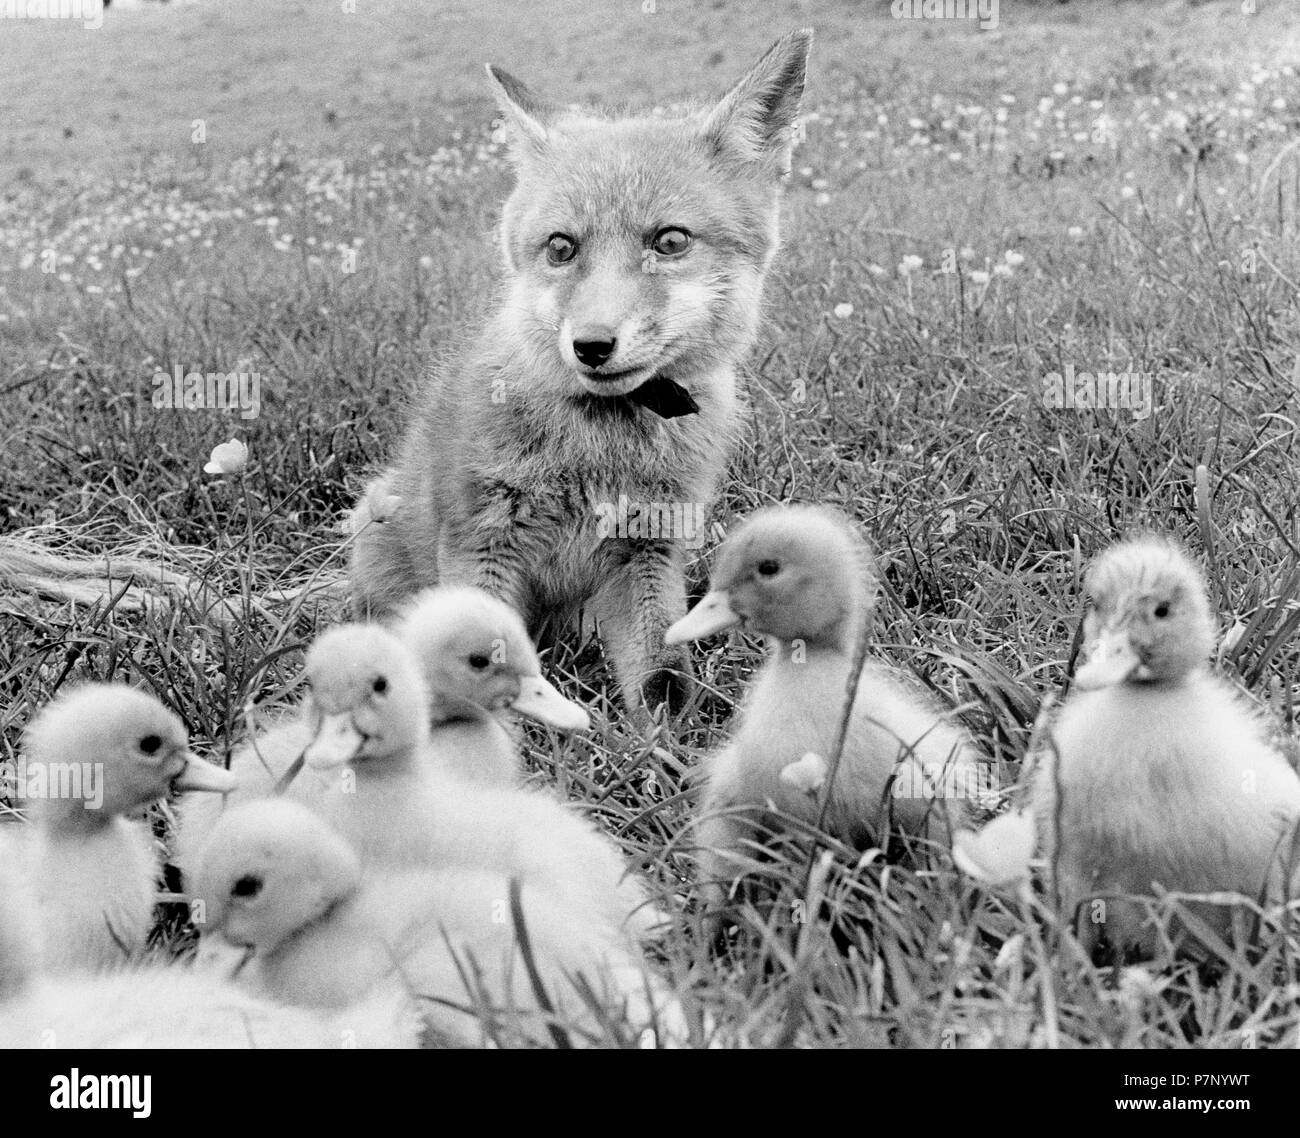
{"x":150,"y":744}
{"x":1161,"y":610}
{"x":248,"y":886}
{"x":379,"y":686}
{"x":769,"y":568}
{"x":478,"y":661}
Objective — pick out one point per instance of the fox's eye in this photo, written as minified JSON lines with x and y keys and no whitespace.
{"x":560,"y":249}
{"x":478,"y":661}
{"x":1161,"y":610}
{"x":247,"y":886}
{"x":150,"y":744}
{"x":769,"y":568}
{"x":379,"y":686}
{"x":671,"y":242}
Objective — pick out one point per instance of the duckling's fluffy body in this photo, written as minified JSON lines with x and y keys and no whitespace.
{"x":802,"y":577}
{"x":1166,"y":778}
{"x":94,"y":870}
{"x":324,"y":932}
{"x":175,"y":1007}
{"x":401,"y":807}
{"x":360,"y":742}
{"x":153,"y":1006}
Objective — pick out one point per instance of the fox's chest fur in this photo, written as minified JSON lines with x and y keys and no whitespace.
{"x":494,"y":453}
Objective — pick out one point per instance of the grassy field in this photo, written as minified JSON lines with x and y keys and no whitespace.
{"x":1138,"y":160}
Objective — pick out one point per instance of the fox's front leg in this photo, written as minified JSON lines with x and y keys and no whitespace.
{"x":643,"y":595}
{"x":492,"y":546}
{"x":382,"y":571}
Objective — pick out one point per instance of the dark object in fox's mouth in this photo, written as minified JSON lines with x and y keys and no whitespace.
{"x":665,"y":398}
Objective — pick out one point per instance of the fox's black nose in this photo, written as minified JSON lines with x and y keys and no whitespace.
{"x":595,"y":349}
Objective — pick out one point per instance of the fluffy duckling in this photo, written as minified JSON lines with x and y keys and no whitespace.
{"x":152,"y":1006}
{"x":1165,"y":777}
{"x":357,"y":749}
{"x":93,"y":757}
{"x":478,"y":663}
{"x":802,"y":577}
{"x":279,"y":882}
{"x":364,"y":742}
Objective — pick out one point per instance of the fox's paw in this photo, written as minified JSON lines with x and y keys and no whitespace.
{"x":669,"y":686}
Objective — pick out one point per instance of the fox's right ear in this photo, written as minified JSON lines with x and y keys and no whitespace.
{"x":525,"y":112}
{"x":755,"y":119}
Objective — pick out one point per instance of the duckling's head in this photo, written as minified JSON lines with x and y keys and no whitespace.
{"x":1149,"y":622}
{"x":270,"y":868}
{"x":476,"y":656}
{"x":367,"y":698}
{"x":792,"y":573}
{"x":102,"y":750}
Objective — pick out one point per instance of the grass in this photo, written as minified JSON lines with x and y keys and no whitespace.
{"x":1139,"y":158}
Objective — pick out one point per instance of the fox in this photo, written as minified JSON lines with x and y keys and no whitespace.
{"x":552,"y":461}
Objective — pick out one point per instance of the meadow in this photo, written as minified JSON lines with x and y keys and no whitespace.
{"x":1093,"y":187}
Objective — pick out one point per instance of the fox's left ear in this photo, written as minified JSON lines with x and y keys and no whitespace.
{"x":755,"y":118}
{"x":526,"y":113}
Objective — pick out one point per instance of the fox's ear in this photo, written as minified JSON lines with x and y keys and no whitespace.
{"x":755,"y":118}
{"x":526,"y":112}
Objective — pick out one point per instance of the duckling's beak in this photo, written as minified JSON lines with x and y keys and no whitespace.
{"x":1112,"y":659}
{"x":216,"y":956}
{"x":337,"y":742}
{"x":539,"y":700}
{"x":198,"y":775}
{"x":712,"y":614}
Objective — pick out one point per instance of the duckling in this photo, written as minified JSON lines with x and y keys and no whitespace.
{"x":278,"y":881}
{"x":93,"y":756}
{"x":478,"y":662}
{"x":1159,"y":774}
{"x":803,"y":578}
{"x":151,"y":1005}
{"x":357,"y":750}
{"x":364,"y":742}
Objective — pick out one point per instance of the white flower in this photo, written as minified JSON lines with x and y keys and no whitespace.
{"x":909,"y":264}
{"x":979,"y":277}
{"x":1127,"y":192}
{"x":808,"y":774}
{"x":876,"y":270}
{"x":227,"y":458}
{"x":1002,"y":270}
{"x":1075,"y":233}
{"x":1014,"y":259}
{"x":966,"y":253}
{"x":999,"y":853}
{"x":842,"y":311}
{"x":1060,"y":89}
